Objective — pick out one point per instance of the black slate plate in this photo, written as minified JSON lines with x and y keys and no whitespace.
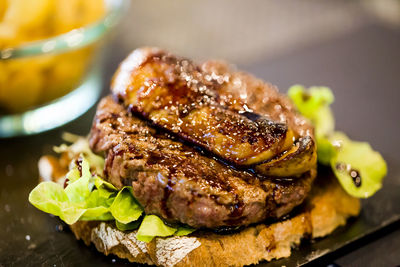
{"x":380,"y":211}
{"x":29,"y":237}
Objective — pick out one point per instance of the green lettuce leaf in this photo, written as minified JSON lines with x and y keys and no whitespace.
{"x":184,"y":230}
{"x":73,"y":175}
{"x":325,"y":150}
{"x":78,"y":191}
{"x":153,"y":226}
{"x":98,"y":204}
{"x":101,"y":197}
{"x":100,"y":213}
{"x":88,"y":197}
{"x":346,"y":157}
{"x":48,"y":196}
{"x":125,"y":208}
{"x":359,"y":168}
{"x":128,"y":226}
{"x":71,"y":213}
{"x":100,"y":183}
{"x":77,"y":201}
{"x":51,"y":198}
{"x":314,"y":105}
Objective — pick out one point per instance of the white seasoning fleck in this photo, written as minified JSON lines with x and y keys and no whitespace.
{"x":7,"y":208}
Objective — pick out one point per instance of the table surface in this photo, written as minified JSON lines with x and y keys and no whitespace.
{"x":362,"y":68}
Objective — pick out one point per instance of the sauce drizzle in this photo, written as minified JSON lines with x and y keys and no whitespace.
{"x":354,"y":174}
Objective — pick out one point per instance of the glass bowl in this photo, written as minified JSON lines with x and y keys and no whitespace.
{"x":47,"y":83}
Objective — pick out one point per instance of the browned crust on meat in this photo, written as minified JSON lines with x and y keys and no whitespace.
{"x":180,"y":184}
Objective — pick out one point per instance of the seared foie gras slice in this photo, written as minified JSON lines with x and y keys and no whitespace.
{"x":174,"y":94}
{"x":242,"y":91}
{"x":299,"y":159}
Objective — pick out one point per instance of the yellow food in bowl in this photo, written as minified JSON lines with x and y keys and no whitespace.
{"x":30,"y":81}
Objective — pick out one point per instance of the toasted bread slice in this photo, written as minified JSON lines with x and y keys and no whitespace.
{"x":327,"y":207}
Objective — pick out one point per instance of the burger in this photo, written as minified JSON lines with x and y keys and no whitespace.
{"x":203,"y":165}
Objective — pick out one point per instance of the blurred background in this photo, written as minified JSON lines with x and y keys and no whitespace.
{"x":353,"y":47}
{"x":338,"y":43}
{"x":244,"y":32}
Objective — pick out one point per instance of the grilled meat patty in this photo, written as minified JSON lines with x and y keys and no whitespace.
{"x":181,"y":97}
{"x":181,"y":183}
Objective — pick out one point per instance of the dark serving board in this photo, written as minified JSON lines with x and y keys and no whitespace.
{"x":29,"y":237}
{"x":363,"y":70}
{"x":380,"y":211}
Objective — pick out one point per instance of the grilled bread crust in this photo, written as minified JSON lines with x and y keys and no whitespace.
{"x":326,"y":208}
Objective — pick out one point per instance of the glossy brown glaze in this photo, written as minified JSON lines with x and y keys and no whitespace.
{"x":300,"y":158}
{"x":356,"y":176}
{"x":353,"y":173}
{"x":178,"y":96}
{"x":182,"y":184}
{"x":243,"y":92}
